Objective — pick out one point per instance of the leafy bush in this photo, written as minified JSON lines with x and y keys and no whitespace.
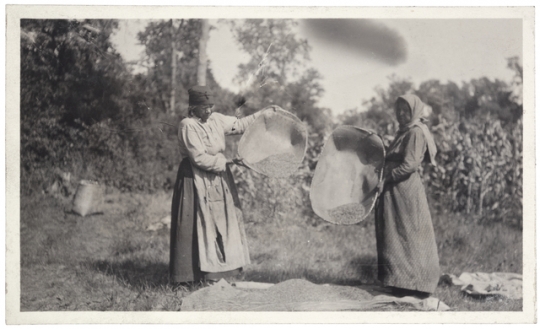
{"x":478,"y":130}
{"x":83,"y":112}
{"x":480,"y":169}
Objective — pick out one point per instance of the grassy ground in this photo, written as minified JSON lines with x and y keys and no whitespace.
{"x":109,"y":262}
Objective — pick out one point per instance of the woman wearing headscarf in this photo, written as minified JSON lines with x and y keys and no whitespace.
{"x":406,"y":248}
{"x":208,"y":240}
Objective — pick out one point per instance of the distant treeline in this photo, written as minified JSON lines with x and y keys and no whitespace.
{"x":83,"y":111}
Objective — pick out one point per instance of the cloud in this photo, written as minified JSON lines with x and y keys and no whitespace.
{"x":364,"y":37}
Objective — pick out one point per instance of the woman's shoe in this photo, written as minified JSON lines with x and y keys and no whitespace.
{"x":400,"y":292}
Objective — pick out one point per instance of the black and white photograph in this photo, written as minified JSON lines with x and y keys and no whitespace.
{"x":222,"y":165}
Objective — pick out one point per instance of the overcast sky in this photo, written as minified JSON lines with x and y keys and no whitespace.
{"x":355,"y":56}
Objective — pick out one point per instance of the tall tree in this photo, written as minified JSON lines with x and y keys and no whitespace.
{"x":203,"y":57}
{"x":73,"y":82}
{"x":175,"y":27}
{"x":514,"y":63}
{"x":70,"y":69}
{"x":158,"y":38}
{"x":278,"y":72}
{"x":274,"y":44}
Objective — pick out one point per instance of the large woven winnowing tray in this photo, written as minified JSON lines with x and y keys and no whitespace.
{"x":274,"y":144}
{"x":344,"y":185}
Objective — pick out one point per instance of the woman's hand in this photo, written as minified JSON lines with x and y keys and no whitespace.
{"x":269,"y":111}
{"x":385,"y":177}
{"x":239,"y":162}
{"x":221,"y":156}
{"x":236,"y":161}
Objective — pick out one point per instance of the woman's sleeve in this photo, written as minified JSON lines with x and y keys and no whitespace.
{"x":415,"y":146}
{"x":197,"y":152}
{"x":234,"y":126}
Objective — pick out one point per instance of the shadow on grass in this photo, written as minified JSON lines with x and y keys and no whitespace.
{"x":140,"y":275}
{"x":359,"y":271}
{"x":485,"y":298}
{"x":365,"y":267}
{"x":311,"y":276}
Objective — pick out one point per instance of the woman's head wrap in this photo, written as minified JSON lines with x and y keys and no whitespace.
{"x":417,"y":108}
{"x":200,"y":95}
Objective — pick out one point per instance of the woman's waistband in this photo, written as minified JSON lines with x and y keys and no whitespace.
{"x":185,"y":169}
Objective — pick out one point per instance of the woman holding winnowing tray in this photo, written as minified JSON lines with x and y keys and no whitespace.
{"x":208,"y":240}
{"x":406,"y":248}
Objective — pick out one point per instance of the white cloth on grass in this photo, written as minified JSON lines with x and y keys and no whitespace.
{"x":509,"y":285}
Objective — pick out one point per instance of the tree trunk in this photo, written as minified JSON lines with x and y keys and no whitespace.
{"x":175,"y":29}
{"x":482,"y":194}
{"x":469,"y":197}
{"x":203,"y":59}
{"x":173,"y":63}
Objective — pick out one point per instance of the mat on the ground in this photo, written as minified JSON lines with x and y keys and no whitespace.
{"x":300,"y":295}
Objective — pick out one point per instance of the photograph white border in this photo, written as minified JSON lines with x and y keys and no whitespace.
{"x":16,"y":12}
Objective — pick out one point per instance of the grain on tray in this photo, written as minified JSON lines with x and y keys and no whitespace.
{"x":347,"y":214}
{"x":280,"y":165}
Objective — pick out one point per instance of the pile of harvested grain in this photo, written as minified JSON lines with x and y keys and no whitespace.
{"x":285,"y":296}
{"x":301,"y":295}
{"x":297,"y":290}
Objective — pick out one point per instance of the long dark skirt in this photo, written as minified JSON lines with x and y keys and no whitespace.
{"x":184,"y":255}
{"x":406,"y":248}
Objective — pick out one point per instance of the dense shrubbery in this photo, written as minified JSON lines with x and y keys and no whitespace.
{"x":83,"y":112}
{"x":480,"y":169}
{"x":478,"y":131}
